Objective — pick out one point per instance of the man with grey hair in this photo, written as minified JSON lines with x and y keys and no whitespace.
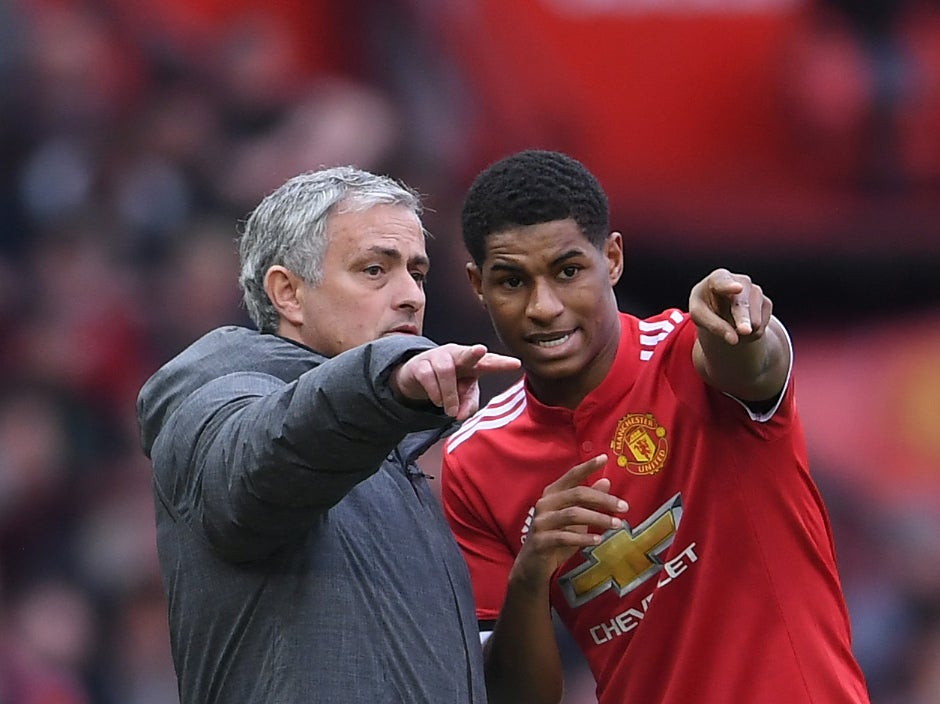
{"x":304,"y":555}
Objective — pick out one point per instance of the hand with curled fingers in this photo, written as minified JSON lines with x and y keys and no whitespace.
{"x":730,"y":306}
{"x":448,"y":376}
{"x":568,"y":517}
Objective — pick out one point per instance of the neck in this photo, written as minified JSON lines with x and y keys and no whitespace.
{"x":566,"y":393}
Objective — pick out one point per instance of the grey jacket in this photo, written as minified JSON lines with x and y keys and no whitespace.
{"x":304,"y":556}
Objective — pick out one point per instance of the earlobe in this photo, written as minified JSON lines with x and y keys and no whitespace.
{"x":283,"y":288}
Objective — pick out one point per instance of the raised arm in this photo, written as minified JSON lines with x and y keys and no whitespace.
{"x":742,"y":349}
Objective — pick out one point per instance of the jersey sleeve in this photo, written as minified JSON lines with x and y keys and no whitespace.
{"x":486,"y":553}
{"x":767,"y":422}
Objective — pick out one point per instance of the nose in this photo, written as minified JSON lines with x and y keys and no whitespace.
{"x":544,"y":303}
{"x":410,"y":294}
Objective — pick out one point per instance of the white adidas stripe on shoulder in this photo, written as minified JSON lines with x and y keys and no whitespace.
{"x":509,"y":392}
{"x":501,"y":410}
{"x":656,"y":331}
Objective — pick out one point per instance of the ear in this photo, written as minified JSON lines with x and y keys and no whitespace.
{"x":476,"y":281}
{"x":284,"y":289}
{"x":613,"y":252}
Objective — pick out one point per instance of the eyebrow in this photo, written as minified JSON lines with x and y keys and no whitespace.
{"x":560,"y":259}
{"x":393,"y":253}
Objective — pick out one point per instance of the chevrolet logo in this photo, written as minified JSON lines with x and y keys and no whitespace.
{"x":625,"y":558}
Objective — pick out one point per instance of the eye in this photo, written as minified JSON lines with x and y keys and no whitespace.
{"x":511,"y":282}
{"x":420,"y":277}
{"x":375,"y":270}
{"x":570,"y":271}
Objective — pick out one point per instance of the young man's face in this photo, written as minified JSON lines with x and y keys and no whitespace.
{"x":549,"y":293}
{"x":374,"y":270}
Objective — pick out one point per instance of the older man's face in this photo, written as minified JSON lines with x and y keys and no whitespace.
{"x":374,"y":270}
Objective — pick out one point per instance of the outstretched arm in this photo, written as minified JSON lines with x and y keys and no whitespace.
{"x":522,"y":662}
{"x":742,"y":349}
{"x":252,"y":461}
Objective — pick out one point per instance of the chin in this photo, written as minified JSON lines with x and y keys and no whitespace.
{"x":562,"y":368}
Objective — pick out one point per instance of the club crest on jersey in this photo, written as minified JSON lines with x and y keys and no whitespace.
{"x":640,"y":444}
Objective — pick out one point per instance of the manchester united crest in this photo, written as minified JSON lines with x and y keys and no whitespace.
{"x":640,"y":444}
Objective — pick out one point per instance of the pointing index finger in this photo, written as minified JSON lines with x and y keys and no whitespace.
{"x":726,"y":285}
{"x":578,"y":474}
{"x":493,"y":362}
{"x":741,"y":313}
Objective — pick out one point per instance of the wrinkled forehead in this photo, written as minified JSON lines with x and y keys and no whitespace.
{"x":389,"y":229}
{"x":541,"y":242}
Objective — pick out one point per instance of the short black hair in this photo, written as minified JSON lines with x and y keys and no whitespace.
{"x":531,"y":187}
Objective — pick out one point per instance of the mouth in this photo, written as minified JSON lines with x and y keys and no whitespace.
{"x":550,"y":340}
{"x":403,"y":330}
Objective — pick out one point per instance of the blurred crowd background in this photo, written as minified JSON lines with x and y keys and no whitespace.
{"x":795,"y":140}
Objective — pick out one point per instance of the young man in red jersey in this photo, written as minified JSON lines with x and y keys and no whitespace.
{"x":647,"y":479}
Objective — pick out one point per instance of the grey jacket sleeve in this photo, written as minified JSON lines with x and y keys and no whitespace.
{"x":251,"y":461}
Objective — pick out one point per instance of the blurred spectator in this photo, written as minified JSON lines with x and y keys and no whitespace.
{"x":863,"y":85}
{"x":54,"y":623}
{"x":195,"y":280}
{"x":140,"y":664}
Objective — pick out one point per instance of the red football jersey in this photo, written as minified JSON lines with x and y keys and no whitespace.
{"x":721,"y":586}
